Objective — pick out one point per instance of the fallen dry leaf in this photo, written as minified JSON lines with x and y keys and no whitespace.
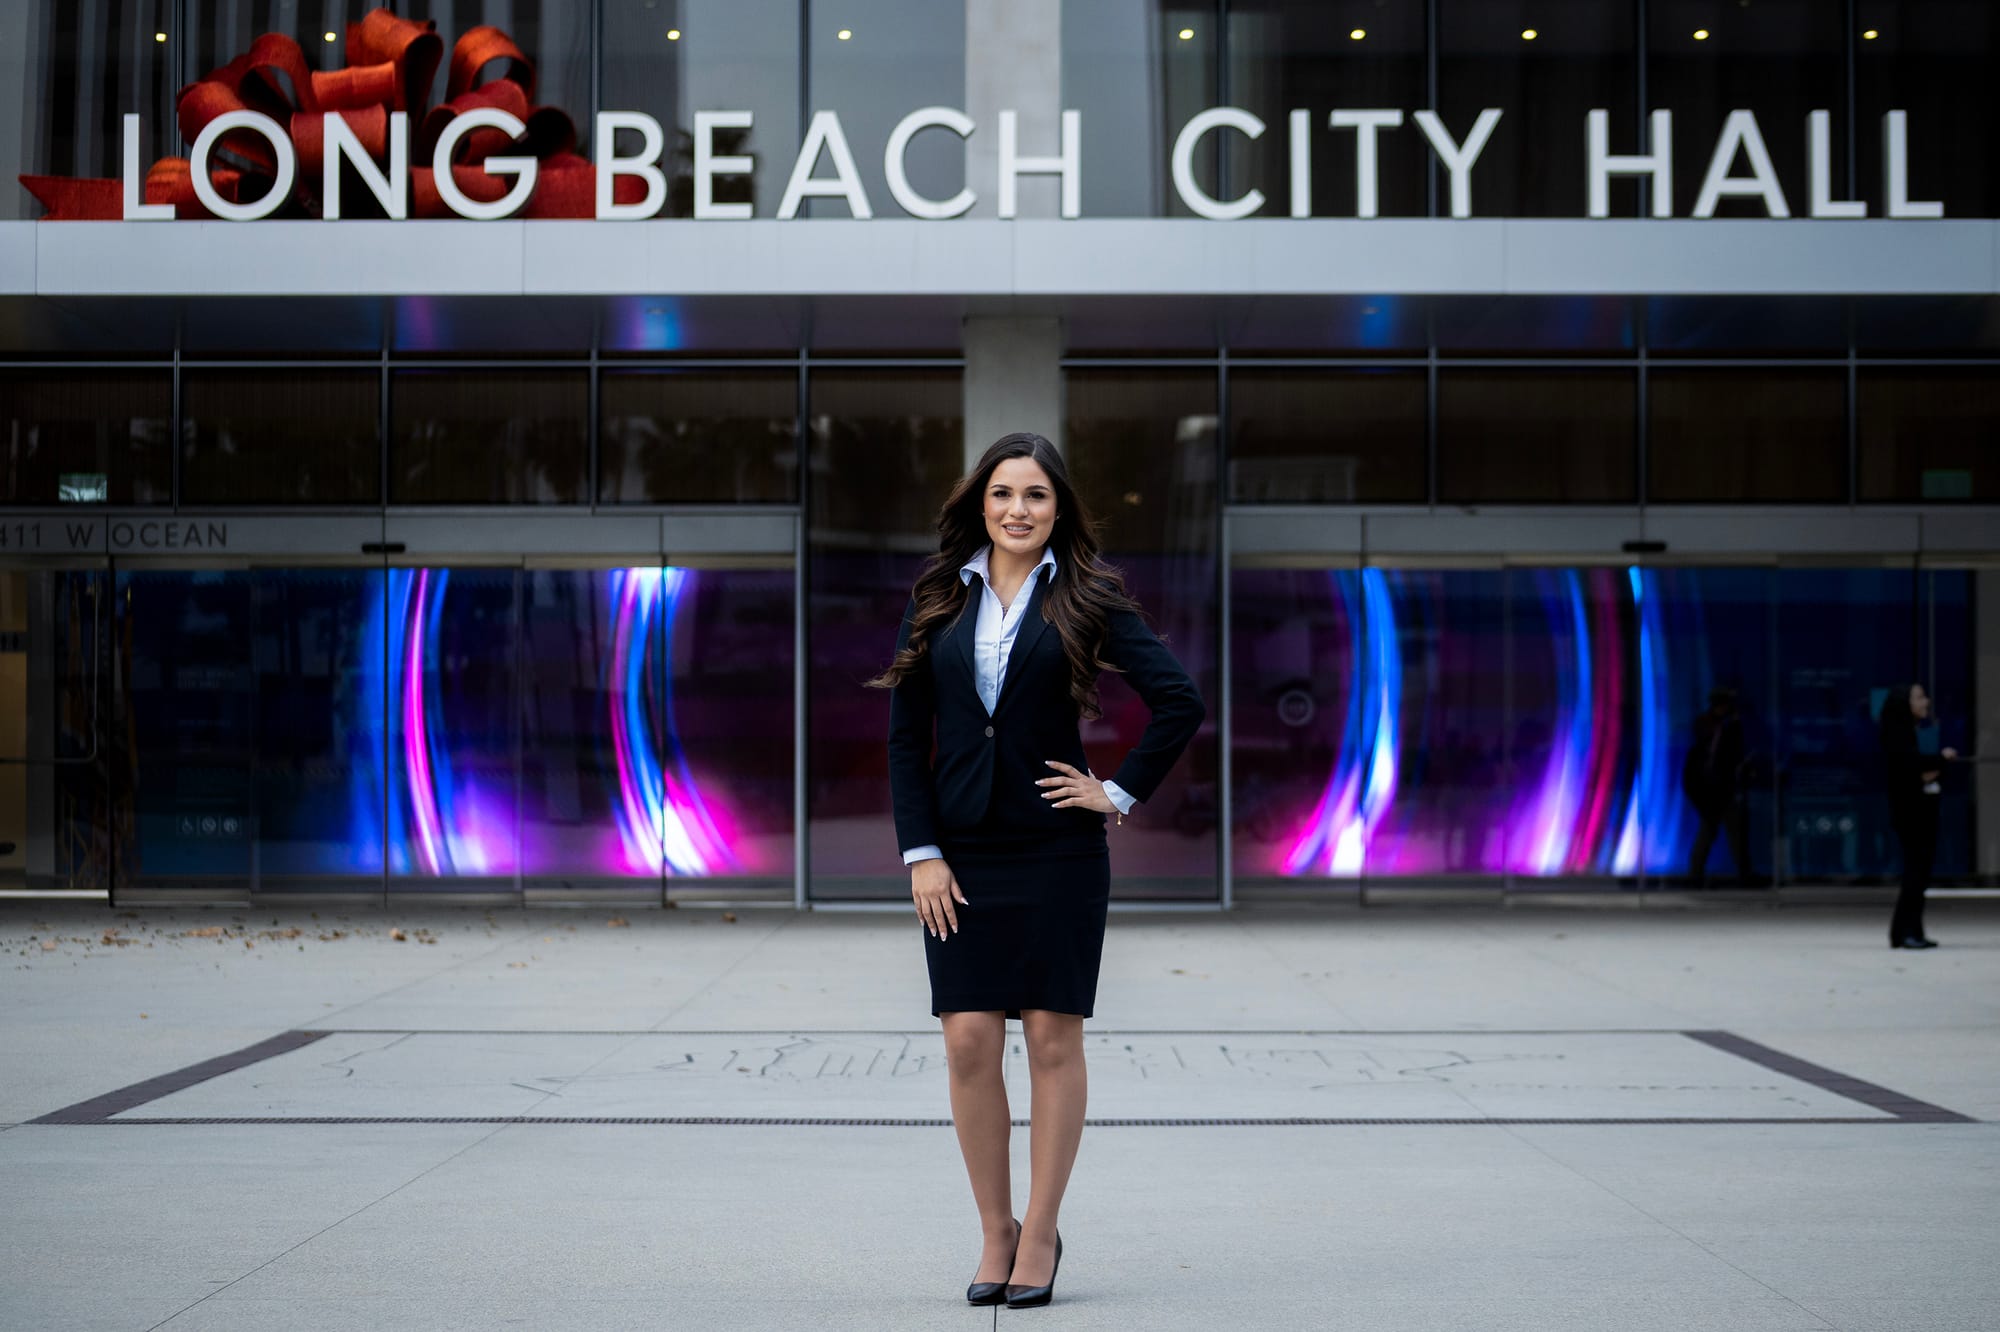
{"x":397,"y":935}
{"x":48,"y":945}
{"x":729,"y":917}
{"x":205,"y":932}
{"x":619,"y":922}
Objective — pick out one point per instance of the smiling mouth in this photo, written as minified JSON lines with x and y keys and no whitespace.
{"x":1018,"y":529}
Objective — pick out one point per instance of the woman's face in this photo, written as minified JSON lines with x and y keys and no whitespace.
{"x":1920,"y":702}
{"x":1020,"y":506}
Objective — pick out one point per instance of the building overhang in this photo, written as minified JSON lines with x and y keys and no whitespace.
{"x":1023,"y":258}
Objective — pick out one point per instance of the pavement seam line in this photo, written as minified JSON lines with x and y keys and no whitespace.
{"x":430,"y":976}
{"x":329,"y":1226}
{"x":1668,"y":1225}
{"x":1311,"y":985}
{"x":726,"y":972}
{"x":1486,"y":930}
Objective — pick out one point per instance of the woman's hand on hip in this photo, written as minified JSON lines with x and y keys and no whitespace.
{"x":933,"y":887}
{"x":1075,"y":788}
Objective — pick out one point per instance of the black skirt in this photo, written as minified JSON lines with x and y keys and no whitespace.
{"x":1031,"y":930}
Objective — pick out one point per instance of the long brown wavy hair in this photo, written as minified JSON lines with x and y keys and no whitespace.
{"x":1081,"y":596}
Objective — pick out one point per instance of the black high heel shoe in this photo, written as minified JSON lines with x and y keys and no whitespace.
{"x":1029,"y":1297}
{"x":993,"y":1292}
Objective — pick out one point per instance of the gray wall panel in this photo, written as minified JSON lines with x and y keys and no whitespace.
{"x":1028,"y":257}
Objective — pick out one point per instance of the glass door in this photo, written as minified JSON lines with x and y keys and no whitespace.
{"x":55,"y":798}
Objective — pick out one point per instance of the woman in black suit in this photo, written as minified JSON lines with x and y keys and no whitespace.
{"x":1004,"y":830}
{"x":1911,"y":777}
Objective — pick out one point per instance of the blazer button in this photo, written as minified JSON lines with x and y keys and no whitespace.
{"x":989,"y":732}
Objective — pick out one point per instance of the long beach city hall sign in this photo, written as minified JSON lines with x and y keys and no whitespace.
{"x":273,"y":137}
{"x":632,"y":185}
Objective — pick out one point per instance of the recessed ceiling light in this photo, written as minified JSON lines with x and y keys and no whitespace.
{"x":329,"y":36}
{"x":1529,"y":34}
{"x":844,"y":33}
{"x":1358,"y":34}
{"x":1701,"y":34}
{"x":673,"y":34}
{"x":159,"y":36}
{"x":1187,"y":34}
{"x":1870,"y":35}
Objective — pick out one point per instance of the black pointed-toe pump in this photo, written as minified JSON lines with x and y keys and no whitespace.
{"x":992,"y":1292}
{"x":1029,"y":1297}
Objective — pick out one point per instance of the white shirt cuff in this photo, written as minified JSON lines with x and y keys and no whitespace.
{"x":1120,"y":797}
{"x":916,"y":853}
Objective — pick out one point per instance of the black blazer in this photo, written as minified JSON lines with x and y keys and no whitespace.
{"x":988,"y":765}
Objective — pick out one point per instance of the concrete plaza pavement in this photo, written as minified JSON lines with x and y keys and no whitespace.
{"x":1411,"y":1119}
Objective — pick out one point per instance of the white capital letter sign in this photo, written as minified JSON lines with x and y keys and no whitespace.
{"x":1896,"y":169}
{"x":907,"y":199}
{"x":521,"y":168}
{"x":1067,"y":163}
{"x":1740,"y":133}
{"x":347,"y":159}
{"x":391,"y":190}
{"x":1458,"y":158}
{"x":1364,"y":124}
{"x":824,"y":133}
{"x":1819,"y":168}
{"x":707,"y":166}
{"x":646,"y":166}
{"x":1229,"y":117}
{"x":1659,"y":164}
{"x":1299,"y":129}
{"x":136,"y":209}
{"x":281,"y":148}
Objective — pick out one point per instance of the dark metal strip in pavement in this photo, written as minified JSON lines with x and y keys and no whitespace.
{"x":933,"y":1031}
{"x":1840,"y":1084}
{"x":752,"y":1121}
{"x":100,"y":1108}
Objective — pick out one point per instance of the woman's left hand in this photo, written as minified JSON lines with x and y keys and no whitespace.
{"x":1075,"y":788}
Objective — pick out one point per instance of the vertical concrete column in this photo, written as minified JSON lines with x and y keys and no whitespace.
{"x":1985,"y":737}
{"x":1013,"y":61}
{"x":1013,"y":379}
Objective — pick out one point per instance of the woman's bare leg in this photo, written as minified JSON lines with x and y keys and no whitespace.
{"x":1059,"y":1090}
{"x":973,"y":1045}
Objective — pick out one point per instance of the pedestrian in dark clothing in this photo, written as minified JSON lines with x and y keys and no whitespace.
{"x":1911,"y":778}
{"x":1710,"y":778}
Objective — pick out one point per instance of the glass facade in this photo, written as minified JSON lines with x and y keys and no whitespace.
{"x":450,"y":729}
{"x":1535,"y":725}
{"x":1137,"y":70}
{"x":503,"y":726}
{"x":884,"y":446}
{"x":605,"y":712}
{"x":1144,"y":67}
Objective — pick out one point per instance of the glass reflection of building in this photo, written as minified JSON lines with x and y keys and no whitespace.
{"x":571,"y":594}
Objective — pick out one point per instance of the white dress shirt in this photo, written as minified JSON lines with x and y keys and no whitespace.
{"x":993,"y":636}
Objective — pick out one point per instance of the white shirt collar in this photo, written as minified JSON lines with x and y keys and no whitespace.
{"x":978,"y":564}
